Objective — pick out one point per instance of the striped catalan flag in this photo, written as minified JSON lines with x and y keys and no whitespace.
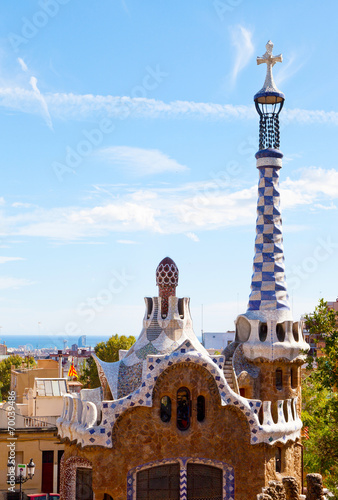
{"x":72,"y":372}
{"x":305,"y":433}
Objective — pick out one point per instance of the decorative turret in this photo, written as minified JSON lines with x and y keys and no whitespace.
{"x":167,"y":281}
{"x":167,"y":325}
{"x":267,"y":327}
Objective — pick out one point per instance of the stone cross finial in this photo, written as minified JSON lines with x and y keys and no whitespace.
{"x":270,"y":60}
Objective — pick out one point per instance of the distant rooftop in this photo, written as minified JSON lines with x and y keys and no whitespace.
{"x":51,"y":386}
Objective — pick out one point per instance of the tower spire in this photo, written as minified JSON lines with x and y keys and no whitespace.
{"x":269,"y":102}
{"x":267,"y":330}
{"x":268,"y":287}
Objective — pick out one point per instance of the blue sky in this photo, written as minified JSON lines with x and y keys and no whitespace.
{"x":128,"y":133}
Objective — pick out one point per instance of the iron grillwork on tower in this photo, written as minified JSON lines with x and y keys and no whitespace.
{"x":269,"y":102}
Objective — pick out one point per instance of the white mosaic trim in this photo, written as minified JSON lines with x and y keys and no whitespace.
{"x":269,"y":161}
{"x":87,"y":433}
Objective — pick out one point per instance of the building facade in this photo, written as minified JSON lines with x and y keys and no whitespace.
{"x":172,"y":421}
{"x":217,"y":340}
{"x":34,"y":434}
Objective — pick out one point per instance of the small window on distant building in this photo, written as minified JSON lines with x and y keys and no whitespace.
{"x":165,"y":409}
{"x":279,"y":379}
{"x":278,"y":459}
{"x":183,"y":409}
{"x":200,"y":408}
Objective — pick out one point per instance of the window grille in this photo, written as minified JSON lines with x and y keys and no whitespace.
{"x":204,"y":482}
{"x":159,"y":483}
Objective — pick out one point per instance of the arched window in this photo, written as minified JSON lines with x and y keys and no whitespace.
{"x":278,"y":459}
{"x":165,"y":411}
{"x":204,"y":481}
{"x":280,"y":331}
{"x":200,"y":408}
{"x":183,"y":409}
{"x":279,"y":379}
{"x":263,"y":331}
{"x":159,"y":482}
{"x":294,"y":377}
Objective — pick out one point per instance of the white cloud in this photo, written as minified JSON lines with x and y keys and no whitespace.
{"x":22,"y":64}
{"x":127,"y":242}
{"x":287,"y":69}
{"x":241,"y":39}
{"x":326,"y":207}
{"x":184,"y":209}
{"x":7,"y":282}
{"x":79,"y":107}
{"x":140,"y":161}
{"x":2,"y":200}
{"x":314,"y":184}
{"x":3,"y":260}
{"x":44,"y":107}
{"x":19,"y":204}
{"x":192,"y":236}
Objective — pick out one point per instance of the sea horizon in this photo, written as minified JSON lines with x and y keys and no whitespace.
{"x":49,"y":341}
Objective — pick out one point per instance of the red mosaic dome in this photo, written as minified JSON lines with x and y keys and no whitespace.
{"x":167,"y":273}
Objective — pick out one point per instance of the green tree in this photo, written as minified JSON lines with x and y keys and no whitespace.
{"x":5,"y":371}
{"x":106,"y":351}
{"x":320,"y":399}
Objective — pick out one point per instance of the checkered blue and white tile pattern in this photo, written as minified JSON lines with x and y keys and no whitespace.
{"x":268,"y":285}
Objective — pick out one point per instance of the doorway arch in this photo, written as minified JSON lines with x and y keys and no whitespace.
{"x":184,"y":478}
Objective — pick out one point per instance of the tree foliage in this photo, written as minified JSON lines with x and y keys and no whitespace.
{"x":320,"y":399}
{"x":106,"y":351}
{"x":5,"y":371}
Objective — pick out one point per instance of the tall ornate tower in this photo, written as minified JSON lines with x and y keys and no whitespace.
{"x":270,"y":339}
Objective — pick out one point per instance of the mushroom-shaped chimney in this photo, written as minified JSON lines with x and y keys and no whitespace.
{"x":167,"y":281}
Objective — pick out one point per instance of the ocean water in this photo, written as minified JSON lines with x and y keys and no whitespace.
{"x":40,"y":341}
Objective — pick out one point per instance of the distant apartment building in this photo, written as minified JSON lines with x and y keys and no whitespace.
{"x":35,"y":434}
{"x":82,"y":341}
{"x":3,"y":349}
{"x":217,"y":340}
{"x":333,"y":305}
{"x":23,"y":378}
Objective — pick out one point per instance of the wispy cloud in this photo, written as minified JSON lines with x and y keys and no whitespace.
{"x":3,"y":260}
{"x":33,"y":82}
{"x":192,"y":236}
{"x":314,"y":185}
{"x":7,"y":282}
{"x":44,"y":107}
{"x":325,"y":207}
{"x":241,"y":39}
{"x":19,"y":204}
{"x":140,"y":161}
{"x":81,"y":107}
{"x":185,"y":209}
{"x":22,"y":64}
{"x":290,"y":66}
{"x":127,"y":242}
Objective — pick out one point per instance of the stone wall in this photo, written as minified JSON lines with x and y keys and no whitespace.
{"x":141,"y":437}
{"x":267,"y":381}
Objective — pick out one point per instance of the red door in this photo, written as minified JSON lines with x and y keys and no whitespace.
{"x":47,"y":471}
